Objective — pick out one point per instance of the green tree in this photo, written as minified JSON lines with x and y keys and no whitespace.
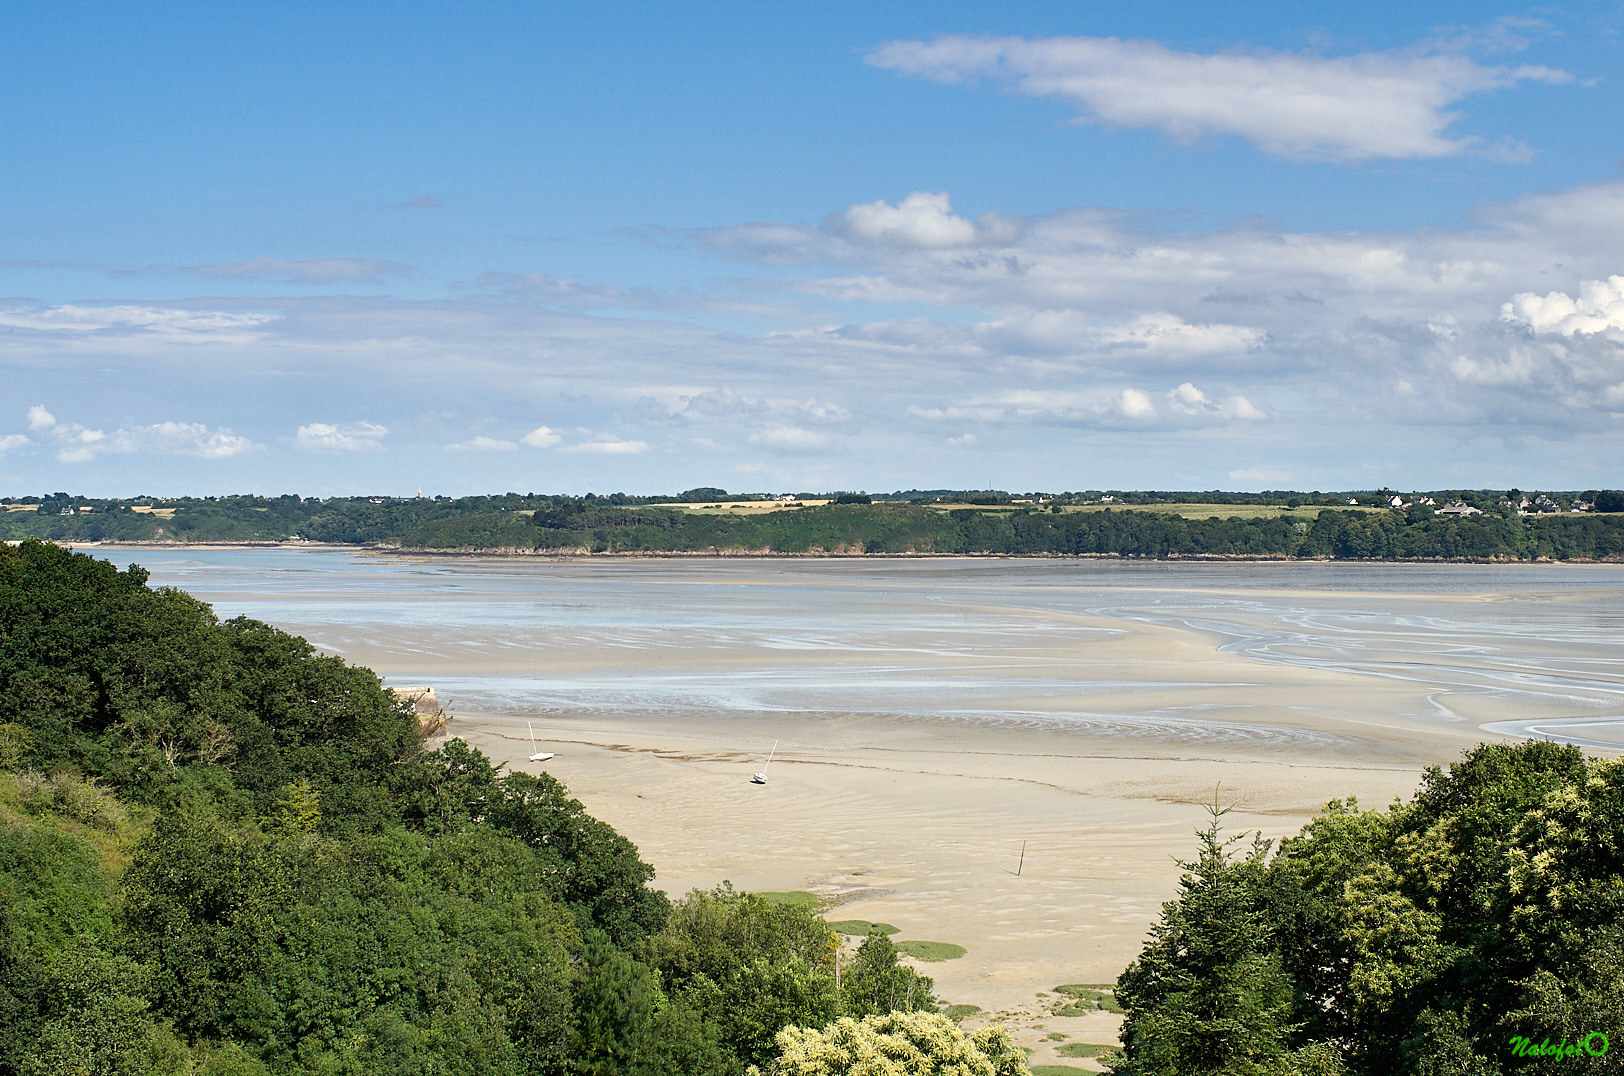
{"x":874,"y":983}
{"x":748,"y":966}
{"x":98,"y":1023}
{"x":1209,"y":993}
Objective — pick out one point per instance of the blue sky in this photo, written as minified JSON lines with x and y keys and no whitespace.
{"x":372,"y":247}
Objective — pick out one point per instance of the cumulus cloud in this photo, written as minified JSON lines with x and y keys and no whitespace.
{"x":922,"y":219}
{"x":1135,"y":404}
{"x":78,"y":444}
{"x":1189,"y":400}
{"x":1294,"y":105}
{"x":1598,"y":308}
{"x":1339,"y":339}
{"x":302,"y":270}
{"x":39,"y":418}
{"x":541,"y":437}
{"x":13,"y":440}
{"x":346,"y":437}
{"x":484,"y":444}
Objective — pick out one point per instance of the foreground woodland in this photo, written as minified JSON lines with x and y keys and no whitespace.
{"x":221,"y":852}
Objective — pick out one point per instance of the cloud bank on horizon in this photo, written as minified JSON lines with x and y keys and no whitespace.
{"x":891,"y":340}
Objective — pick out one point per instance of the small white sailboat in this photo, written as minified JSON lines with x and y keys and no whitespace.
{"x":538,"y":755}
{"x":761,"y":777}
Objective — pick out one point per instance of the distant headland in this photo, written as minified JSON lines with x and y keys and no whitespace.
{"x":1383,"y":524}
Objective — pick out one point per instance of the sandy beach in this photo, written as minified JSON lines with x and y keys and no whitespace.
{"x":933,"y":720}
{"x":926,"y":829}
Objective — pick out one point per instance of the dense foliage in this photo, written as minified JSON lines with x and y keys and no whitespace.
{"x":223,"y":853}
{"x":1447,"y":934}
{"x":907,"y":528}
{"x":897,"y":1044}
{"x":858,"y":523}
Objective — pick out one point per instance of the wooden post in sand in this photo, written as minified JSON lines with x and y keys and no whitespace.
{"x":1022,"y":865}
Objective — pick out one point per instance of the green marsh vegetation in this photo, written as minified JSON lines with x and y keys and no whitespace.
{"x":931,"y":951}
{"x":797,"y":897}
{"x":1087,"y":998}
{"x":861,"y":928}
{"x":223,"y":853}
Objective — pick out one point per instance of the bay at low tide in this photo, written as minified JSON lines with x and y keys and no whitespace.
{"x":1005,"y":754}
{"x":1489,"y":649}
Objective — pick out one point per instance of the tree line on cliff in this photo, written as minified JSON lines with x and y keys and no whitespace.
{"x":622,"y":524}
{"x":224,"y":853}
{"x":902,"y":528}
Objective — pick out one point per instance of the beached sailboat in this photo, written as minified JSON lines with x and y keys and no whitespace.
{"x":538,"y":754}
{"x":761,"y":777}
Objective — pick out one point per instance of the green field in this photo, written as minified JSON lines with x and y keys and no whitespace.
{"x":1220,"y":511}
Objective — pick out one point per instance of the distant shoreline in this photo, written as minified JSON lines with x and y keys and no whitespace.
{"x":513,"y":552}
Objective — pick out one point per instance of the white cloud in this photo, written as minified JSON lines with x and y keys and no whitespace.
{"x":1240,"y":408}
{"x":1599,"y":307}
{"x":610,"y":447}
{"x":39,"y":418}
{"x":1294,"y":105}
{"x":541,"y":437}
{"x":963,"y":440}
{"x":1135,"y":404}
{"x":1162,"y":334}
{"x":346,"y":437}
{"x":922,"y":220}
{"x":1121,"y":408}
{"x":484,"y":444}
{"x":695,"y":404}
{"x":1188,"y":399}
{"x":81,"y":445}
{"x":211,"y":326}
{"x":787,"y":438}
{"x":13,"y":440}
{"x":1309,"y":344}
{"x":302,"y":270}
